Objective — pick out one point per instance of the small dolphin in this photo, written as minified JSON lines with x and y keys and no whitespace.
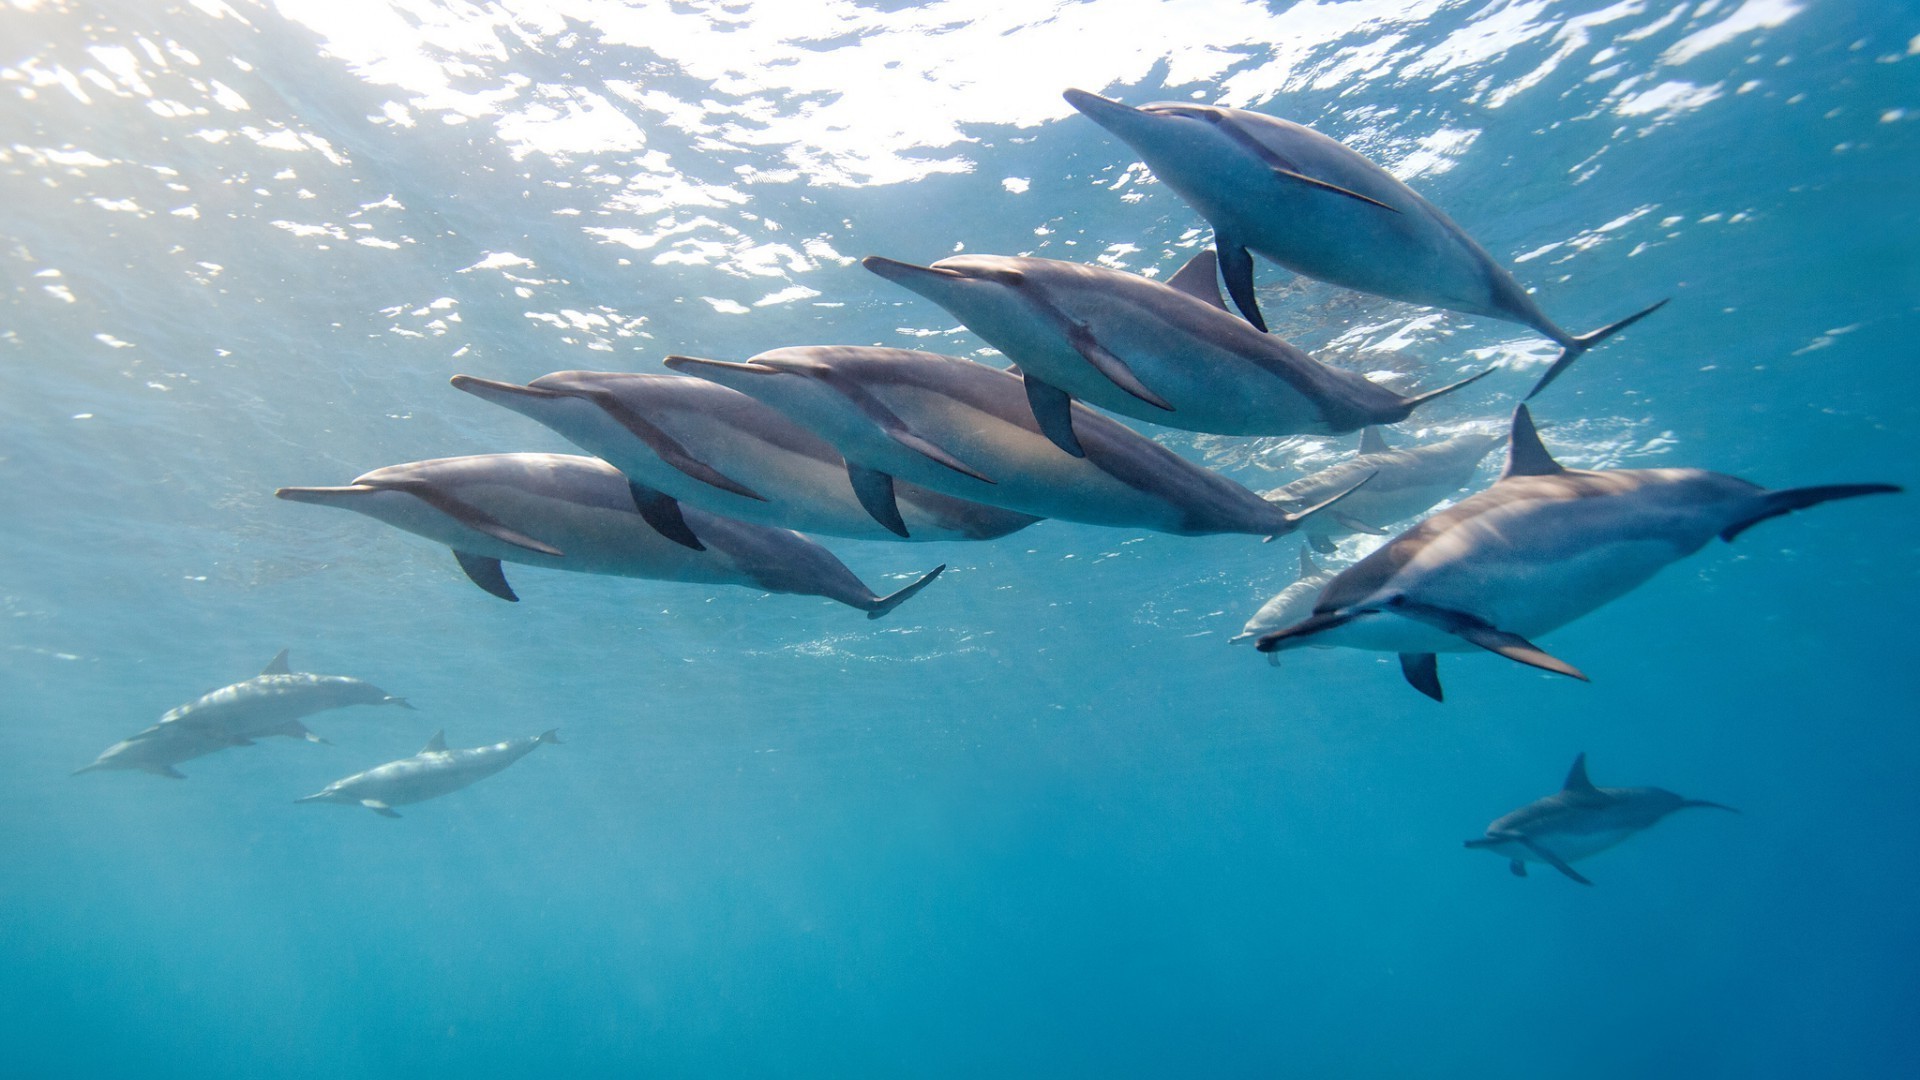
{"x":1405,"y":483}
{"x":693,"y":441}
{"x":568,"y":512}
{"x":966,"y":429}
{"x":1320,"y":209}
{"x":1577,"y":821}
{"x":159,"y":749}
{"x":429,"y":774}
{"x":1169,"y":353}
{"x":1540,"y":548}
{"x":1291,"y":604}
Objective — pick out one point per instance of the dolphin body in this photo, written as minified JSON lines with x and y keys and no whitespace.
{"x":429,"y":774}
{"x":1168,"y":353}
{"x":689,"y":440}
{"x":966,"y":429}
{"x":1405,"y":483}
{"x":1319,"y":209}
{"x":1541,"y":547}
{"x":568,"y":512}
{"x":1577,"y":821}
{"x":1291,"y":604}
{"x":271,"y":703}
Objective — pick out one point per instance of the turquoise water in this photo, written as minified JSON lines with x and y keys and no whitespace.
{"x":1042,"y":820}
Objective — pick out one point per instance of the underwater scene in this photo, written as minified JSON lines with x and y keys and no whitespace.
{"x":861,"y":538}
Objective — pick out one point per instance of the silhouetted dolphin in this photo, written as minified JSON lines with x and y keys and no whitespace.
{"x":429,"y":774}
{"x":690,"y":440}
{"x":568,"y":512}
{"x":1169,"y":353}
{"x":965,"y":429}
{"x":1541,"y":547}
{"x":1291,"y":604}
{"x":1320,"y":209}
{"x":1405,"y":483}
{"x":1577,"y":821}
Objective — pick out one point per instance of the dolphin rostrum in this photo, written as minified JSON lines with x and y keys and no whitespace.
{"x":569,"y":512}
{"x":1541,"y":547}
{"x":1319,"y":209}
{"x":429,"y":774}
{"x":1289,"y":605}
{"x":1168,"y":353}
{"x":1577,"y":821}
{"x":683,"y":440}
{"x":966,"y":429}
{"x":1405,"y":483}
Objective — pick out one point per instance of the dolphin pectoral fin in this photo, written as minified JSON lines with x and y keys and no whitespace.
{"x":874,"y":489}
{"x":895,"y":428}
{"x":885,"y":604}
{"x":1518,"y":868}
{"x":1775,"y":503}
{"x":1572,"y":350}
{"x":1299,"y":177}
{"x":1199,"y":278}
{"x":936,"y":455}
{"x":668,"y":449}
{"x":278,"y":665}
{"x":1551,"y":859}
{"x":484,"y":571}
{"x":1354,"y":524}
{"x":1477,"y":631}
{"x":294,"y":729}
{"x":473,"y":517}
{"x":167,"y":771}
{"x":1423,"y":673}
{"x":1273,"y":659}
{"x":1111,"y":366}
{"x":1236,"y":269}
{"x":662,"y":511}
{"x":1053,"y":411}
{"x":380,"y":808}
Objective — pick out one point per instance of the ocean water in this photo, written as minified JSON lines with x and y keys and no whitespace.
{"x":1043,"y":820}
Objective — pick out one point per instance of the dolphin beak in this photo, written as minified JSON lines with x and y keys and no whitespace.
{"x":321,"y":496}
{"x":726,"y":373}
{"x":1103,"y":111}
{"x":315,"y":797}
{"x":901,"y":273}
{"x":500,"y":393}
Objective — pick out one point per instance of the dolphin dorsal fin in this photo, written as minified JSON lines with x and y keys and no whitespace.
{"x":437,"y":744}
{"x":1526,"y":454}
{"x":1373,"y":441}
{"x":1307,"y":567}
{"x":1577,"y":777}
{"x":278,"y":665}
{"x":1200,"y":278}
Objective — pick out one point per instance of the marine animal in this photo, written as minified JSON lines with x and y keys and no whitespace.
{"x":1320,"y":209}
{"x":1169,"y":353}
{"x":1541,"y":547}
{"x":966,"y":429}
{"x":1577,"y":821}
{"x":568,"y":512}
{"x":688,"y":440}
{"x":1405,"y":483}
{"x":429,"y":774}
{"x":158,"y":750}
{"x":1291,"y":604}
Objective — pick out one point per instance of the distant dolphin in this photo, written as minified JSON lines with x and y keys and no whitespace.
{"x":965,"y":429}
{"x":1291,"y":604}
{"x":271,"y":703}
{"x":1320,"y":209}
{"x":1541,"y":547}
{"x":1168,"y":353}
{"x":429,"y":774}
{"x":1405,"y":483}
{"x":684,"y":440}
{"x":567,"y":512}
{"x":1577,"y":821}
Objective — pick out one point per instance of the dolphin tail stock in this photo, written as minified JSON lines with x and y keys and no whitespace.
{"x":1417,"y":400}
{"x":1572,"y":349}
{"x":551,"y":735}
{"x":881,"y":606}
{"x":1688,"y":804}
{"x":1773,"y":504}
{"x":1292,"y":519}
{"x":1477,"y":631}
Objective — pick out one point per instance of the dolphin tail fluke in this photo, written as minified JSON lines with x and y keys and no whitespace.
{"x":886,"y":604}
{"x":1775,"y":503}
{"x":1417,"y":400}
{"x":1705,"y":805}
{"x":551,"y":735}
{"x":1294,"y":518}
{"x":1572,"y":350}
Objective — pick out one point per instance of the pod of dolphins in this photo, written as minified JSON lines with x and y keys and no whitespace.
{"x":712,"y":475}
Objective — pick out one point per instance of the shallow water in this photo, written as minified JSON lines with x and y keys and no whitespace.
{"x":1042,"y":820}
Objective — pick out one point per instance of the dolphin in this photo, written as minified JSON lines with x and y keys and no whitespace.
{"x":965,"y":429}
{"x":1405,"y":483}
{"x":158,"y":749}
{"x":689,"y":440}
{"x":1541,"y":547}
{"x":1577,"y":821}
{"x":1168,"y":353}
{"x":1291,"y":604}
{"x":569,"y":512}
{"x":1317,"y":208}
{"x":429,"y":774}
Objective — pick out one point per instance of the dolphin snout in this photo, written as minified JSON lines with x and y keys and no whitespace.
{"x":1093,"y":105}
{"x":903,"y":273}
{"x":500,"y":393}
{"x":320,"y":496}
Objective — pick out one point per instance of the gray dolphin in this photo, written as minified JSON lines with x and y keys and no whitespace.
{"x":693,"y":441}
{"x":1541,"y":547}
{"x":158,"y":750}
{"x":1577,"y":821}
{"x":965,"y":429}
{"x":1289,"y":605}
{"x":429,"y":774}
{"x":568,"y":512}
{"x":1405,"y":483}
{"x":1169,"y":353}
{"x":1320,"y":209}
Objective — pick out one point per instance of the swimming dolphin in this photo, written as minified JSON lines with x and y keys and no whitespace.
{"x":965,"y":429}
{"x":1291,"y":604}
{"x":1540,"y":548}
{"x":689,"y":440}
{"x":1577,"y":821}
{"x":158,"y":750}
{"x":1320,"y":209}
{"x":1405,"y":483}
{"x":429,"y":774}
{"x":568,"y":512}
{"x":1169,"y":353}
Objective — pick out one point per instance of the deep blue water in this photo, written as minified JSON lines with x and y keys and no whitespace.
{"x":1043,"y":820}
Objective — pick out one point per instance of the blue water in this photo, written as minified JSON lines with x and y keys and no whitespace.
{"x":1043,"y":820}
